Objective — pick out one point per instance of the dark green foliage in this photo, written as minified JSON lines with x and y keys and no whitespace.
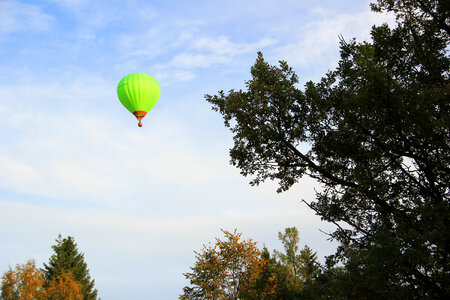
{"x":67,"y":258}
{"x":309,"y":266}
{"x":289,"y":286}
{"x":375,"y":134}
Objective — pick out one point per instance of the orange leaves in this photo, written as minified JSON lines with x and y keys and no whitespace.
{"x":9,"y":285}
{"x":223,"y":270}
{"x":252,"y":286}
{"x":64,"y":286}
{"x":234,"y":268}
{"x":26,"y":283}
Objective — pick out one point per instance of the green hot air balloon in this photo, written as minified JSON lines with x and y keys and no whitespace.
{"x":138,"y":92}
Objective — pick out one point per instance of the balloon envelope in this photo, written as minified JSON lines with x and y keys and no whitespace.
{"x":138,"y":92}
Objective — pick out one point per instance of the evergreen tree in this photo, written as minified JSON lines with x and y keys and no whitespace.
{"x":287,"y":285}
{"x":309,"y":266}
{"x":67,"y":259}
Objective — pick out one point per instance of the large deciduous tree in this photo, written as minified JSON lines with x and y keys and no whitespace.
{"x":375,"y":134}
{"x":67,"y":259}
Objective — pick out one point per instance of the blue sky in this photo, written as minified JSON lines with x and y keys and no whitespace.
{"x":139,"y":201}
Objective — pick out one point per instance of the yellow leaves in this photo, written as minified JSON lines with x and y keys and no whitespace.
{"x":251,"y":287}
{"x":26,"y":283}
{"x":64,"y":286}
{"x":9,"y":284}
{"x":221,"y":270}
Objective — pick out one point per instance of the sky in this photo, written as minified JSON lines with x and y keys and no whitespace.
{"x":140,"y":201}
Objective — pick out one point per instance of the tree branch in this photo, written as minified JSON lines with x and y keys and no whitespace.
{"x":340,"y":227}
{"x":319,"y":169}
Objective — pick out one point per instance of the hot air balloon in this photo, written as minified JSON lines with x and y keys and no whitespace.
{"x":138,"y":92}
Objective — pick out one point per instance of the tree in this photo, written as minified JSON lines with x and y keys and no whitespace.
{"x":27,"y":283}
{"x":280,"y":277}
{"x":9,"y":285}
{"x":303,"y":263}
{"x":67,"y":259}
{"x":64,"y":286}
{"x":375,"y":134}
{"x":225,"y":271}
{"x":309,"y":266}
{"x":290,"y":240}
{"x":24,"y":283}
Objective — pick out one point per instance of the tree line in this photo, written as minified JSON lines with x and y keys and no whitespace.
{"x":66,"y":276}
{"x":234,"y":268}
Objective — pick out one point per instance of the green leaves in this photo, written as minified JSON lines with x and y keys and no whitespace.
{"x":375,"y":133}
{"x":236,"y":269}
{"x":67,"y":259}
{"x":266,"y":116}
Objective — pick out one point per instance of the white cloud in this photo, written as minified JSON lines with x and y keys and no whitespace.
{"x":223,"y":46}
{"x":206,"y":52}
{"x":187,"y":60}
{"x":316,"y":46}
{"x":157,"y":40}
{"x":170,"y":77}
{"x":17,"y":174}
{"x":16,"y":16}
{"x":183,"y":50}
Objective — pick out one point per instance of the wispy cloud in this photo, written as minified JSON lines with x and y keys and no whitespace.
{"x":317,"y":43}
{"x":183,"y":49}
{"x":16,"y":17}
{"x":206,"y":51}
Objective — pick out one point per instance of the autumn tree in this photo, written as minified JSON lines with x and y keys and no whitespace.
{"x":23,"y":283}
{"x":375,"y":134}
{"x":27,"y":283}
{"x":279,"y":276}
{"x":66,"y":262}
{"x":226,"y":270}
{"x":9,"y":285}
{"x":64,"y":286}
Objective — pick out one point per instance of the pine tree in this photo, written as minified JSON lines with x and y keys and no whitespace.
{"x":309,"y":266}
{"x":68,"y":259}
